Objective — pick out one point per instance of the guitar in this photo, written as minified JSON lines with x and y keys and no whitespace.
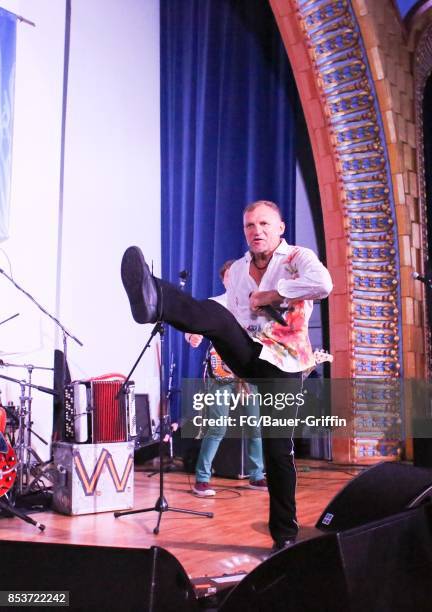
{"x":8,"y":458}
{"x":320,"y":356}
{"x":221,"y":372}
{"x":218,"y":368}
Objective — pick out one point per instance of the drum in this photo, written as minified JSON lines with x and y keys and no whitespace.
{"x":8,"y":458}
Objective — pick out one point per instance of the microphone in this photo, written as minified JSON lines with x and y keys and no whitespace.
{"x":427,"y":280}
{"x":183,"y":276}
{"x":274,"y":314}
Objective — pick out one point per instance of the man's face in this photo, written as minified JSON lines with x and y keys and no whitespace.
{"x":263,"y":229}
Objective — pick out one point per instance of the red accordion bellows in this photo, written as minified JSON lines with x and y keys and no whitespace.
{"x":109,"y":413}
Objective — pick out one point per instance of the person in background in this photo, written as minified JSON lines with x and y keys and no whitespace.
{"x":223,"y":379}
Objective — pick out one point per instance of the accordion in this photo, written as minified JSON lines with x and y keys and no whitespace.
{"x":95,"y":412}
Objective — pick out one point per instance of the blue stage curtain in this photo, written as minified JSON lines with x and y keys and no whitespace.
{"x":228,"y":104}
{"x":7,"y":82}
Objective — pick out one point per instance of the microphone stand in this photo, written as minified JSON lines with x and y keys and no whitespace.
{"x":161,"y":505}
{"x":166,"y":428}
{"x":66,"y":333}
{"x":9,"y":318}
{"x":170,"y":426}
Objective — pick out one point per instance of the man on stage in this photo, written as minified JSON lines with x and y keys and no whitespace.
{"x":270,"y":295}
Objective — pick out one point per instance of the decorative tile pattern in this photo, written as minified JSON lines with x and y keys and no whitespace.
{"x":349,"y":97}
{"x":358,"y":138}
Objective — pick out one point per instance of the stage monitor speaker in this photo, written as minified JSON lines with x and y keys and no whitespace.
{"x":422,"y":446}
{"x":99,"y":577}
{"x":422,"y":450}
{"x":379,"y":491}
{"x":231,"y":459}
{"x":306,"y":577}
{"x":384,"y":566}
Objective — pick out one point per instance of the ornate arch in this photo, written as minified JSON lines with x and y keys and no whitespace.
{"x":330,"y":64}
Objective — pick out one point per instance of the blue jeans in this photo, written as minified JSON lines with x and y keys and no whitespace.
{"x":214,"y":435}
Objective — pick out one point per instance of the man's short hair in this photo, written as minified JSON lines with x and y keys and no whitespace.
{"x":225,"y":267}
{"x":272,"y":205}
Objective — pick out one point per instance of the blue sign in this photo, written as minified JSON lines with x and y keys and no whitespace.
{"x":7,"y":83}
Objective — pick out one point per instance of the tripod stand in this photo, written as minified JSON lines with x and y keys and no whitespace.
{"x":161,"y":504}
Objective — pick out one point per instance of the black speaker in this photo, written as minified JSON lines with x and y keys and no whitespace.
{"x":143,"y":422}
{"x":422,"y":448}
{"x":379,"y":491}
{"x":384,"y":566}
{"x":62,"y":377}
{"x":231,"y":458}
{"x":99,"y":577}
{"x":309,"y":576}
{"x":388,"y":563}
{"x":422,"y":445}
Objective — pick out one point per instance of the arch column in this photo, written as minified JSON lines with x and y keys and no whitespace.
{"x":337,"y":92}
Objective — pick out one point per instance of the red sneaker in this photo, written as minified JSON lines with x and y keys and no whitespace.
{"x":258,"y":485}
{"x":203,"y":489}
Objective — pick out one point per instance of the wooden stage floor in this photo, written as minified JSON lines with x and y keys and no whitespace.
{"x":235,"y":540}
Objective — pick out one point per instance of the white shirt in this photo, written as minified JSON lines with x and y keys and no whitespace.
{"x":296,"y":274}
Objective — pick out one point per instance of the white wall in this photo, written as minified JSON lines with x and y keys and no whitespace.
{"x":112,"y":180}
{"x":111,"y":190}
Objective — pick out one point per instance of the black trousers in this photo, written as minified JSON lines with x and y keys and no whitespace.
{"x":241,"y":354}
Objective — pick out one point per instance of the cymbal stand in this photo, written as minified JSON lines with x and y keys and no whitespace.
{"x":23,"y":447}
{"x":66,"y":334}
{"x":25,"y":453}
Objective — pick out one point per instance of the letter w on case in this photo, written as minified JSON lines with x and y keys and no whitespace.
{"x":89,"y":482}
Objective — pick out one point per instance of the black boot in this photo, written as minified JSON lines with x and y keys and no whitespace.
{"x":141,"y":287}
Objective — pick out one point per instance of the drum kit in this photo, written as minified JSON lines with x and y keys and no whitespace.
{"x":20,"y":465}
{"x":19,"y":462}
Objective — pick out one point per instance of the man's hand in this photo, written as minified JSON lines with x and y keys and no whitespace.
{"x":264,"y":298}
{"x":194,"y":339}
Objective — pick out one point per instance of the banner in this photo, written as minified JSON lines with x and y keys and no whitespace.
{"x":7,"y":85}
